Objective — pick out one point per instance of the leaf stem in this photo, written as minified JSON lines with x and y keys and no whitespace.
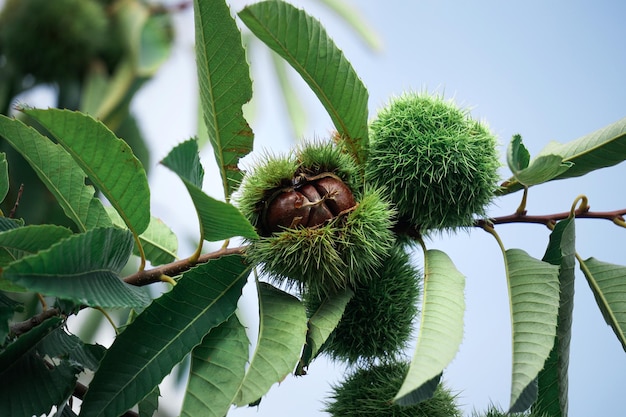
{"x":109,"y":319}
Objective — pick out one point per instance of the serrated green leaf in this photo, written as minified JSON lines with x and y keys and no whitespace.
{"x":608,"y":283}
{"x":553,"y":384}
{"x":600,"y":149}
{"x":31,"y":239}
{"x":58,"y":171}
{"x":543,"y":168}
{"x":218,"y":220}
{"x":225,"y":86}
{"x":441,"y":323}
{"x":217,"y":370}
{"x":62,"y":345}
{"x":321,"y":324}
{"x":107,"y":160}
{"x":304,"y":44}
{"x":184,"y":160}
{"x":517,"y":156}
{"x":163,"y":334}
{"x":282,"y":333}
{"x":28,"y":384}
{"x":83,"y":268}
{"x":150,"y":404}
{"x":4,"y":176}
{"x":534,"y":296}
{"x":159,"y":243}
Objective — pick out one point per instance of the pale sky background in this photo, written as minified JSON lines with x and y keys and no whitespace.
{"x":547,"y":70}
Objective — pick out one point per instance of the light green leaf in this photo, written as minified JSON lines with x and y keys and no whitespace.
{"x":354,"y":19}
{"x":4,"y":176}
{"x":541,"y":169}
{"x":155,"y":43}
{"x":603,"y":148}
{"x":321,"y":324}
{"x":304,"y":44}
{"x":58,"y":171}
{"x":107,"y":160}
{"x":218,"y":220}
{"x":534,"y":296}
{"x":552,"y":397}
{"x":225,"y":86}
{"x":293,"y":104}
{"x":163,"y":334}
{"x":83,"y":268}
{"x":159,"y":243}
{"x":218,"y":366}
{"x":600,"y":149}
{"x":441,"y":324}
{"x":608,"y":283}
{"x":282,"y":333}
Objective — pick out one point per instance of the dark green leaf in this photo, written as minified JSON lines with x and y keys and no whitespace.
{"x":218,"y":220}
{"x":58,"y":171}
{"x":441,"y":323}
{"x":282,"y":333}
{"x":107,"y":160}
{"x":30,"y":384}
{"x":321,"y":324}
{"x":149,"y":404}
{"x":83,"y":268}
{"x":608,"y":283}
{"x":553,"y":379}
{"x":217,"y":370}
{"x":163,"y":334}
{"x":302,"y":41}
{"x":225,"y":86}
{"x":534,"y":297}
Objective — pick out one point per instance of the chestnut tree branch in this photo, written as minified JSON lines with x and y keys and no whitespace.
{"x":151,"y":276}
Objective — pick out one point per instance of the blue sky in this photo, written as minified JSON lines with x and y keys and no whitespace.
{"x":547,"y":70}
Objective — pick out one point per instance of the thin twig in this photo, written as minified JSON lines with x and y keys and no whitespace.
{"x":173,"y":269}
{"x":22,"y":327}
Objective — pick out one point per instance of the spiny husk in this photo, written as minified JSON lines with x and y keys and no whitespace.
{"x":275,"y":171}
{"x":494,"y":411}
{"x":368,"y":392}
{"x":439,"y":165}
{"x":334,"y":256}
{"x":378,"y":320}
{"x":328,"y":257}
{"x":315,"y":157}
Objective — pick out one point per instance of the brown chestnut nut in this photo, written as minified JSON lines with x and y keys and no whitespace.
{"x":309,"y":204}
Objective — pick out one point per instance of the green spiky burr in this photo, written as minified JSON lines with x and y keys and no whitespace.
{"x":319,"y":230}
{"x":378,"y":320}
{"x":438,"y":164}
{"x":52,"y":40}
{"x":369,"y":391}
